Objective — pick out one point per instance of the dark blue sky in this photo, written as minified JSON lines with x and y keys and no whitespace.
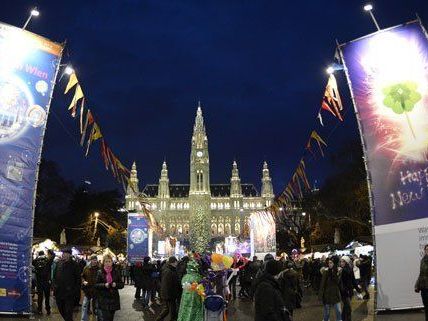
{"x":257,"y":67}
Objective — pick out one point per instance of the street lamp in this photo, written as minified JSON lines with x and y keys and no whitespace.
{"x":369,"y":8}
{"x":96,"y":215}
{"x":33,"y":13}
{"x":330,"y":70}
{"x":303,"y":214}
{"x":69,"y":70}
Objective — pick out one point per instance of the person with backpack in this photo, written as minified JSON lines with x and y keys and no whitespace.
{"x":288,"y":281}
{"x":268,"y":302}
{"x":42,"y":267}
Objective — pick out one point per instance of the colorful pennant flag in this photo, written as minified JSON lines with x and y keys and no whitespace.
{"x":331,"y":100}
{"x":95,"y":135}
{"x":89,"y":121}
{"x":78,"y":94}
{"x":72,"y":81}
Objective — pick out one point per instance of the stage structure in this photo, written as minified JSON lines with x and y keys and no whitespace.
{"x":388,"y":76}
{"x":140,"y":238}
{"x":28,"y":69}
{"x":262,"y":234}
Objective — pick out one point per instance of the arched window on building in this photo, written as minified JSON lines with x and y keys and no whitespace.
{"x":220,"y":206}
{"x":186,"y":229}
{"x":237,"y":228}
{"x":220,"y":229}
{"x":213,"y":229}
{"x":227,"y":229}
{"x":173,"y":229}
{"x":163,"y":226}
{"x":179,"y":229}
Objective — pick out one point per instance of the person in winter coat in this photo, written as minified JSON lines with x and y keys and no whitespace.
{"x":138,"y":279}
{"x":288,"y":281}
{"x":422,"y":281}
{"x":89,"y":279}
{"x":170,"y":290}
{"x":348,"y":284}
{"x":108,"y":283}
{"x":191,"y":305}
{"x":66,"y":284}
{"x":268,"y":302}
{"x":42,"y":267}
{"x":147,"y":270}
{"x":329,"y":292}
{"x":365,"y":266}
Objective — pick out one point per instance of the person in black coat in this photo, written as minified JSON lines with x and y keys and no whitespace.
{"x":42,"y":265}
{"x":66,"y":284}
{"x":146,"y":281}
{"x":347,"y":286}
{"x":268,"y":302}
{"x":289,"y":284}
{"x":170,"y":290}
{"x":109,"y":281}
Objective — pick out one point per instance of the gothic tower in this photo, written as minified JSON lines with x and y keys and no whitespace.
{"x":132,"y":191}
{"x":199,"y":193}
{"x":163,"y":190}
{"x":235,"y":182}
{"x":267,"y":188}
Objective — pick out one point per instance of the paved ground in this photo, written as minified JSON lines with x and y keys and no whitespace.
{"x":239,"y":310}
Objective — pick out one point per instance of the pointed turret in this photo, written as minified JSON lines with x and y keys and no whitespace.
{"x":235,"y":182}
{"x":163,"y":191}
{"x":267,"y":188}
{"x":132,"y":191}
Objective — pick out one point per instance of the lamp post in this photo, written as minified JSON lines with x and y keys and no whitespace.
{"x":369,"y":8}
{"x":96,"y":215}
{"x":33,"y":13}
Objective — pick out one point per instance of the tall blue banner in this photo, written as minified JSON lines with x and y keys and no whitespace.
{"x":388,"y":75}
{"x":138,"y":237}
{"x":28,"y":69}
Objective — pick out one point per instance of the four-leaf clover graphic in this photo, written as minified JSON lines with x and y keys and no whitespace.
{"x":402,"y":98}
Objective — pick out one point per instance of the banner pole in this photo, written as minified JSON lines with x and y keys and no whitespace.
{"x":365,"y":158}
{"x":37,"y":173}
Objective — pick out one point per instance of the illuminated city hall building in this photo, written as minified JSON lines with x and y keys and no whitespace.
{"x":227,"y":207}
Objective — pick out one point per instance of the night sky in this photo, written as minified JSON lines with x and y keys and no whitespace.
{"x":258,"y":68}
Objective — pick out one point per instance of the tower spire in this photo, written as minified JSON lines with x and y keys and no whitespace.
{"x":267,"y":188}
{"x":163,"y":190}
{"x":235,"y":182}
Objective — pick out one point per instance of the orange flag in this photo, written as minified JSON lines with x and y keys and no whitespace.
{"x":331,"y":100}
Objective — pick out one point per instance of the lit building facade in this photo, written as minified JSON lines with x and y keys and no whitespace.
{"x":225,"y":207}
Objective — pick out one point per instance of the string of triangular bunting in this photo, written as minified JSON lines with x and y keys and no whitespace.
{"x":91,"y":132}
{"x":299,"y":183}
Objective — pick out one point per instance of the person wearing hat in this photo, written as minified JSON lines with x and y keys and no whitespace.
{"x":191,"y":305}
{"x":89,"y":279}
{"x":42,"y":266}
{"x":268,"y":301}
{"x":348,"y":284}
{"x":66,"y":283}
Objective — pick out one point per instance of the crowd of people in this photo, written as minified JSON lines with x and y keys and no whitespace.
{"x":276,"y":285}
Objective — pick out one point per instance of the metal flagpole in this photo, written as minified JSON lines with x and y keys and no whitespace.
{"x":365,"y":158}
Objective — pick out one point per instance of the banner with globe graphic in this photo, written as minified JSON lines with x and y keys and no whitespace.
{"x":138,"y":237}
{"x":388,"y":76}
{"x":28,"y":69}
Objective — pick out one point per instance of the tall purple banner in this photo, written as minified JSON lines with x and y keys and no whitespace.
{"x":138,"y":237}
{"x":28,"y":69}
{"x":388,"y":76}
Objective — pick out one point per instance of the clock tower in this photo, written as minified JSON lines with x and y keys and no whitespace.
{"x":199,"y":159}
{"x":199,"y":191}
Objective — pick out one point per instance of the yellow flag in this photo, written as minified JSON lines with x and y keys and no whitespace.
{"x":78,"y":94}
{"x":96,"y":133}
{"x":72,"y":81}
